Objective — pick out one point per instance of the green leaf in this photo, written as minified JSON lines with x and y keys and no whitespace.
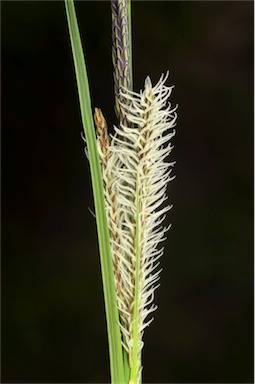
{"x":112,"y":317}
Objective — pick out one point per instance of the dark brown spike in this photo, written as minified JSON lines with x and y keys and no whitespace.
{"x":120,"y":52}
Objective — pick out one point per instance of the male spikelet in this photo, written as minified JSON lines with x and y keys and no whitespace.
{"x":135,"y":178}
{"x":120,"y":53}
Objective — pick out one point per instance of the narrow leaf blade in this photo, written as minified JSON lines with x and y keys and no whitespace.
{"x":112,"y":317}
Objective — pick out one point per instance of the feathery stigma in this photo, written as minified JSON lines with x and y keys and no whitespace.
{"x":135,"y":176}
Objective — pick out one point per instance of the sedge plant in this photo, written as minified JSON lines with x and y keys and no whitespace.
{"x":129,"y":174}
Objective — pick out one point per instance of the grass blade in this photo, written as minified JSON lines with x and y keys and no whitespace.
{"x":112,"y":317}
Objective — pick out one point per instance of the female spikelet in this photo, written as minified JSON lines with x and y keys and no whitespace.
{"x":135,"y":178}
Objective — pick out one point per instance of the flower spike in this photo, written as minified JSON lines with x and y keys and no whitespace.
{"x":136,"y":177}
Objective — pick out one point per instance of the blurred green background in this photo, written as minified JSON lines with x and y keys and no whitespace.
{"x":53,"y":327}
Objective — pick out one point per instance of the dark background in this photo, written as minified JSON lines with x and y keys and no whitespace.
{"x":53,"y":326}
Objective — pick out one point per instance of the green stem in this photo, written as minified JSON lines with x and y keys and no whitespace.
{"x":112,"y":317}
